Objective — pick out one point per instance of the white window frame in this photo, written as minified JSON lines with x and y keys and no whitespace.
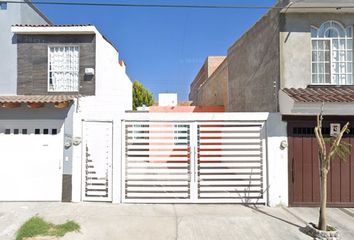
{"x":48,"y":71}
{"x":346,"y":49}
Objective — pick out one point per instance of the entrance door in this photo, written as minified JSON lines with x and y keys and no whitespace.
{"x":97,"y":161}
{"x":31,"y":160}
{"x":304,"y":169}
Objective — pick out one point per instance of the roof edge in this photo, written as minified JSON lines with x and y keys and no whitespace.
{"x":54,"y":29}
{"x":39,"y":12}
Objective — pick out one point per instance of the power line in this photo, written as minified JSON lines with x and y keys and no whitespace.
{"x":96,"y":4}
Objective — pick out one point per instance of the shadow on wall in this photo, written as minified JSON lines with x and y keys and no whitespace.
{"x":47,"y":112}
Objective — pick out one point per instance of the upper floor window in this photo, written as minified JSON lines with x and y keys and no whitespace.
{"x":332,"y":54}
{"x":3,"y":5}
{"x":63,"y":69}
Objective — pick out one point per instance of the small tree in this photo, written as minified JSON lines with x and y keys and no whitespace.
{"x":141,"y":96}
{"x":329,"y":149}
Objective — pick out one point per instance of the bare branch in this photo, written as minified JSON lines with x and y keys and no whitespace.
{"x":318,"y":133}
{"x":319,"y":139}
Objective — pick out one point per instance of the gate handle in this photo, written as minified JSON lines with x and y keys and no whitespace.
{"x":292,"y":170}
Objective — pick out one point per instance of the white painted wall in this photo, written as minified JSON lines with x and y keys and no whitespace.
{"x":277,"y":160}
{"x":168,"y":99}
{"x":31,"y":164}
{"x":113,"y":97}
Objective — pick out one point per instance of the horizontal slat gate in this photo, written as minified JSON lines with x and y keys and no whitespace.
{"x":97,"y":159}
{"x":193,"y":162}
{"x":230,"y":166}
{"x":157,"y":162}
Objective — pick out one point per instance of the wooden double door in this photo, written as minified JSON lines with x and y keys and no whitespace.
{"x":304,"y":181}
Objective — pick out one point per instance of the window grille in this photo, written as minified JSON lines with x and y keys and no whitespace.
{"x":332,"y":54}
{"x":63,"y":69}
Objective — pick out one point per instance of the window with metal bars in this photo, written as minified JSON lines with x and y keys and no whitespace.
{"x":3,"y":6}
{"x":63,"y":68}
{"x":332,"y":54}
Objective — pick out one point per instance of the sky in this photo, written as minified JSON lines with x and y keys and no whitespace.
{"x":164,"y":48}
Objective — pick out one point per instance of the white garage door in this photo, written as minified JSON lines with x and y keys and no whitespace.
{"x":31,"y":155}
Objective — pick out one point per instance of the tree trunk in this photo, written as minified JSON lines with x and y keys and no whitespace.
{"x":322,"y":223}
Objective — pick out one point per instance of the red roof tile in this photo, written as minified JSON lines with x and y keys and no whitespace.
{"x":321,"y":94}
{"x":36,"y":98}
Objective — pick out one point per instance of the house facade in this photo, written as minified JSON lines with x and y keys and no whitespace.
{"x":209,"y":88}
{"x":297,"y":58}
{"x":58,"y":123}
{"x":316,"y":72}
{"x":13,"y":13}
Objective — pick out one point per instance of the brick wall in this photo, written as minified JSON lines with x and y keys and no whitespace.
{"x":212,"y":90}
{"x":209,"y":88}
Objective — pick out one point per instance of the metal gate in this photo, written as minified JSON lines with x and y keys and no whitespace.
{"x":304,"y":167}
{"x":97,"y":161}
{"x":200,"y":161}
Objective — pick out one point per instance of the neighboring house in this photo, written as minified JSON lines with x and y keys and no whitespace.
{"x":14,"y":13}
{"x":209,"y":88}
{"x":297,"y":57}
{"x":186,"y":109}
{"x":168,"y":103}
{"x":57,"y":126}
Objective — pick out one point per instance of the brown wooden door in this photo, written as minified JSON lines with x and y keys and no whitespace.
{"x":304,"y":185}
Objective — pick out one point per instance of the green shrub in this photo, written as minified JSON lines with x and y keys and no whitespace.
{"x":37,"y":226}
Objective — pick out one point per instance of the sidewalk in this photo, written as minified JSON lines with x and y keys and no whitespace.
{"x":103,"y":221}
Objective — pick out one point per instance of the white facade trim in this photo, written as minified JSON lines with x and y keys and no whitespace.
{"x":54,"y":30}
{"x":225,"y":116}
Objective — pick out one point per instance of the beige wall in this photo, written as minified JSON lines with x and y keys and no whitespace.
{"x":209,"y":88}
{"x":295,"y":45}
{"x":213,"y":92}
{"x":201,"y":77}
{"x":254,"y":67}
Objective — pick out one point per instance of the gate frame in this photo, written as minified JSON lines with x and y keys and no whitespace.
{"x":95,"y":199}
{"x":309,"y":121}
{"x":193,"y":118}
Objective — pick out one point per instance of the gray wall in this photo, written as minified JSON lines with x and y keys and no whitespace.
{"x":295,"y":45}
{"x":25,"y":113}
{"x":15,"y":14}
{"x":254,"y":67}
{"x":33,"y":62}
{"x":68,"y":134}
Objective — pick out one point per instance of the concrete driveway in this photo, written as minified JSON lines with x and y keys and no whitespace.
{"x":186,"y":222}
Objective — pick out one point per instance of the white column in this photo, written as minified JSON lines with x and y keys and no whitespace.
{"x":118,"y":158}
{"x":77,"y":151}
{"x":277,"y":159}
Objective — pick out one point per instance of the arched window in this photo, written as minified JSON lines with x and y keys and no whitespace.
{"x":332,"y":54}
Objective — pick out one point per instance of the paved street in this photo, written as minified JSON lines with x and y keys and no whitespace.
{"x":186,"y":222}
